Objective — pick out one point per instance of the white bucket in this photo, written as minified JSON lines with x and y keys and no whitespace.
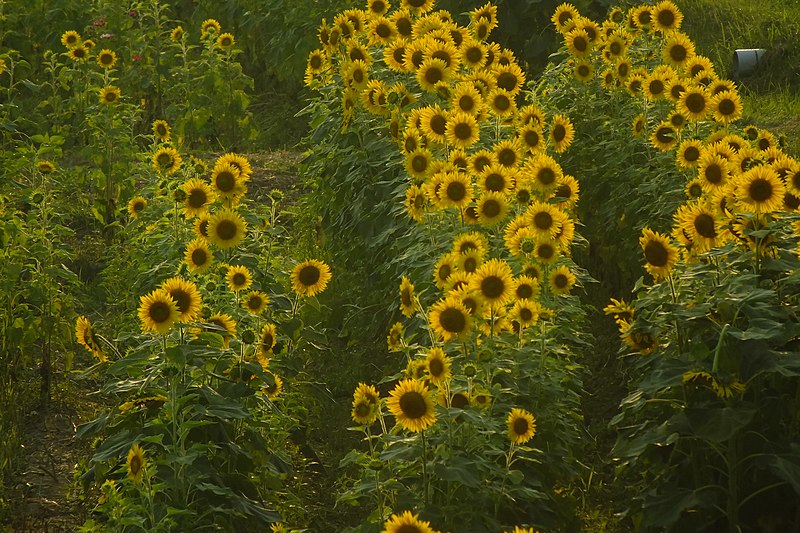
{"x":745,"y":61}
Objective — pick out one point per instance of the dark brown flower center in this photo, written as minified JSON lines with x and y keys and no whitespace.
{"x":226,"y":230}
{"x":656,"y":254}
{"x":453,"y":320}
{"x":413,"y":405}
{"x":309,"y":275}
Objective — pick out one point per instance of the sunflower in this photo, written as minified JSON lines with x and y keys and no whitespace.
{"x":415,"y":203}
{"x":227,"y":181}
{"x":226,"y":229}
{"x":186,"y":296}
{"x":525,"y":312}
{"x":638,"y":339}
{"x":456,"y":189}
{"x":544,"y":219}
{"x":106,"y":59}
{"x":509,"y":78}
{"x":70,"y":39}
{"x":495,"y":178}
{"x":443,"y":269}
{"x":210,"y":28}
{"x":614,"y":48}
{"x":473,"y":54}
{"x":699,"y":223}
{"x":492,"y":208}
{"x":713,"y":171}
{"x":472,"y":241}
{"x":697,"y":66}
{"x":198,"y":256}
{"x":434,"y":123}
{"x":136,"y":205}
{"x":666,"y":16}
{"x":199,"y":196}
{"x":109,"y":94}
{"x":521,"y":426}
{"x":688,"y":154}
{"x":267,"y":340}
{"x":363,"y":411}
{"x":561,"y":280}
{"x":638,"y":125}
{"x":726,"y":107}
{"x":568,"y":191}
{"x":394,"y":55}
{"x":664,"y":136}
{"x":239,"y":278}
{"x":694,"y":103}
{"x":411,"y":405}
{"x":760,"y":190}
{"x":660,"y":255}
{"x":407,"y":522}
{"x":501,"y":103}
{"x":408,"y":299}
{"x":507,"y":153}
{"x":167,"y":159}
{"x":224,"y":325}
{"x":676,"y":87}
{"x":494,"y":281}
{"x":565,"y":17}
{"x":78,"y":53}
{"x":438,"y":366}
{"x":583,"y":71}
{"x":255,"y":302}
{"x":84,"y":333}
{"x":561,"y":133}
{"x":158,"y":312}
{"x":544,"y":173}
{"x":161,"y":130}
{"x":462,"y":130}
{"x":226,"y":41}
{"x":677,"y":49}
{"x":620,"y":310}
{"x":136,"y":463}
{"x":431,"y":73}
{"x":176,"y":34}
{"x":531,"y":138}
{"x":481,"y":160}
{"x":578,"y":43}
{"x":449,"y":318}
{"x":546,"y":250}
{"x":694,"y":189}
{"x":310,"y":277}
{"x":274,"y":389}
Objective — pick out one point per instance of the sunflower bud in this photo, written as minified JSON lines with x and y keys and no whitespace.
{"x":248,"y":337}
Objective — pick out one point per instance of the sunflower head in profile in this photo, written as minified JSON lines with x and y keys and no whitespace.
{"x":310,"y":277}
{"x":187,"y":298}
{"x":109,"y":95}
{"x":273,"y":389}
{"x":411,"y":405}
{"x":408,"y":303}
{"x":226,"y":229}
{"x":521,"y":426}
{"x":167,"y":160}
{"x":136,"y":463}
{"x":406,"y":522}
{"x":394,"y":339}
{"x":45,"y":167}
{"x":84,"y":333}
{"x":158,"y":312}
{"x":176,"y":34}
{"x":659,"y":254}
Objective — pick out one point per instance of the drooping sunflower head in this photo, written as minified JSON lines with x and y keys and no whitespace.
{"x":521,"y":426}
{"x":84,"y":333}
{"x":411,"y":405}
{"x":310,"y":277}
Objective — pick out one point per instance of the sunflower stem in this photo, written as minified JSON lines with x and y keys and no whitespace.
{"x":675,"y":302}
{"x":424,"y":470}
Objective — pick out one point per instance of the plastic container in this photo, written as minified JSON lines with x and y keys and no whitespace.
{"x":745,"y":61}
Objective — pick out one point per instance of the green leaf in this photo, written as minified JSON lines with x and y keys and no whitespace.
{"x":718,"y":425}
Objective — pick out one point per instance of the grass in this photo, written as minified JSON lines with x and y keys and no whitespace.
{"x":771,"y":95}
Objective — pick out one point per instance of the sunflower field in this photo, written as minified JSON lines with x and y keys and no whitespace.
{"x":396,"y":266}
